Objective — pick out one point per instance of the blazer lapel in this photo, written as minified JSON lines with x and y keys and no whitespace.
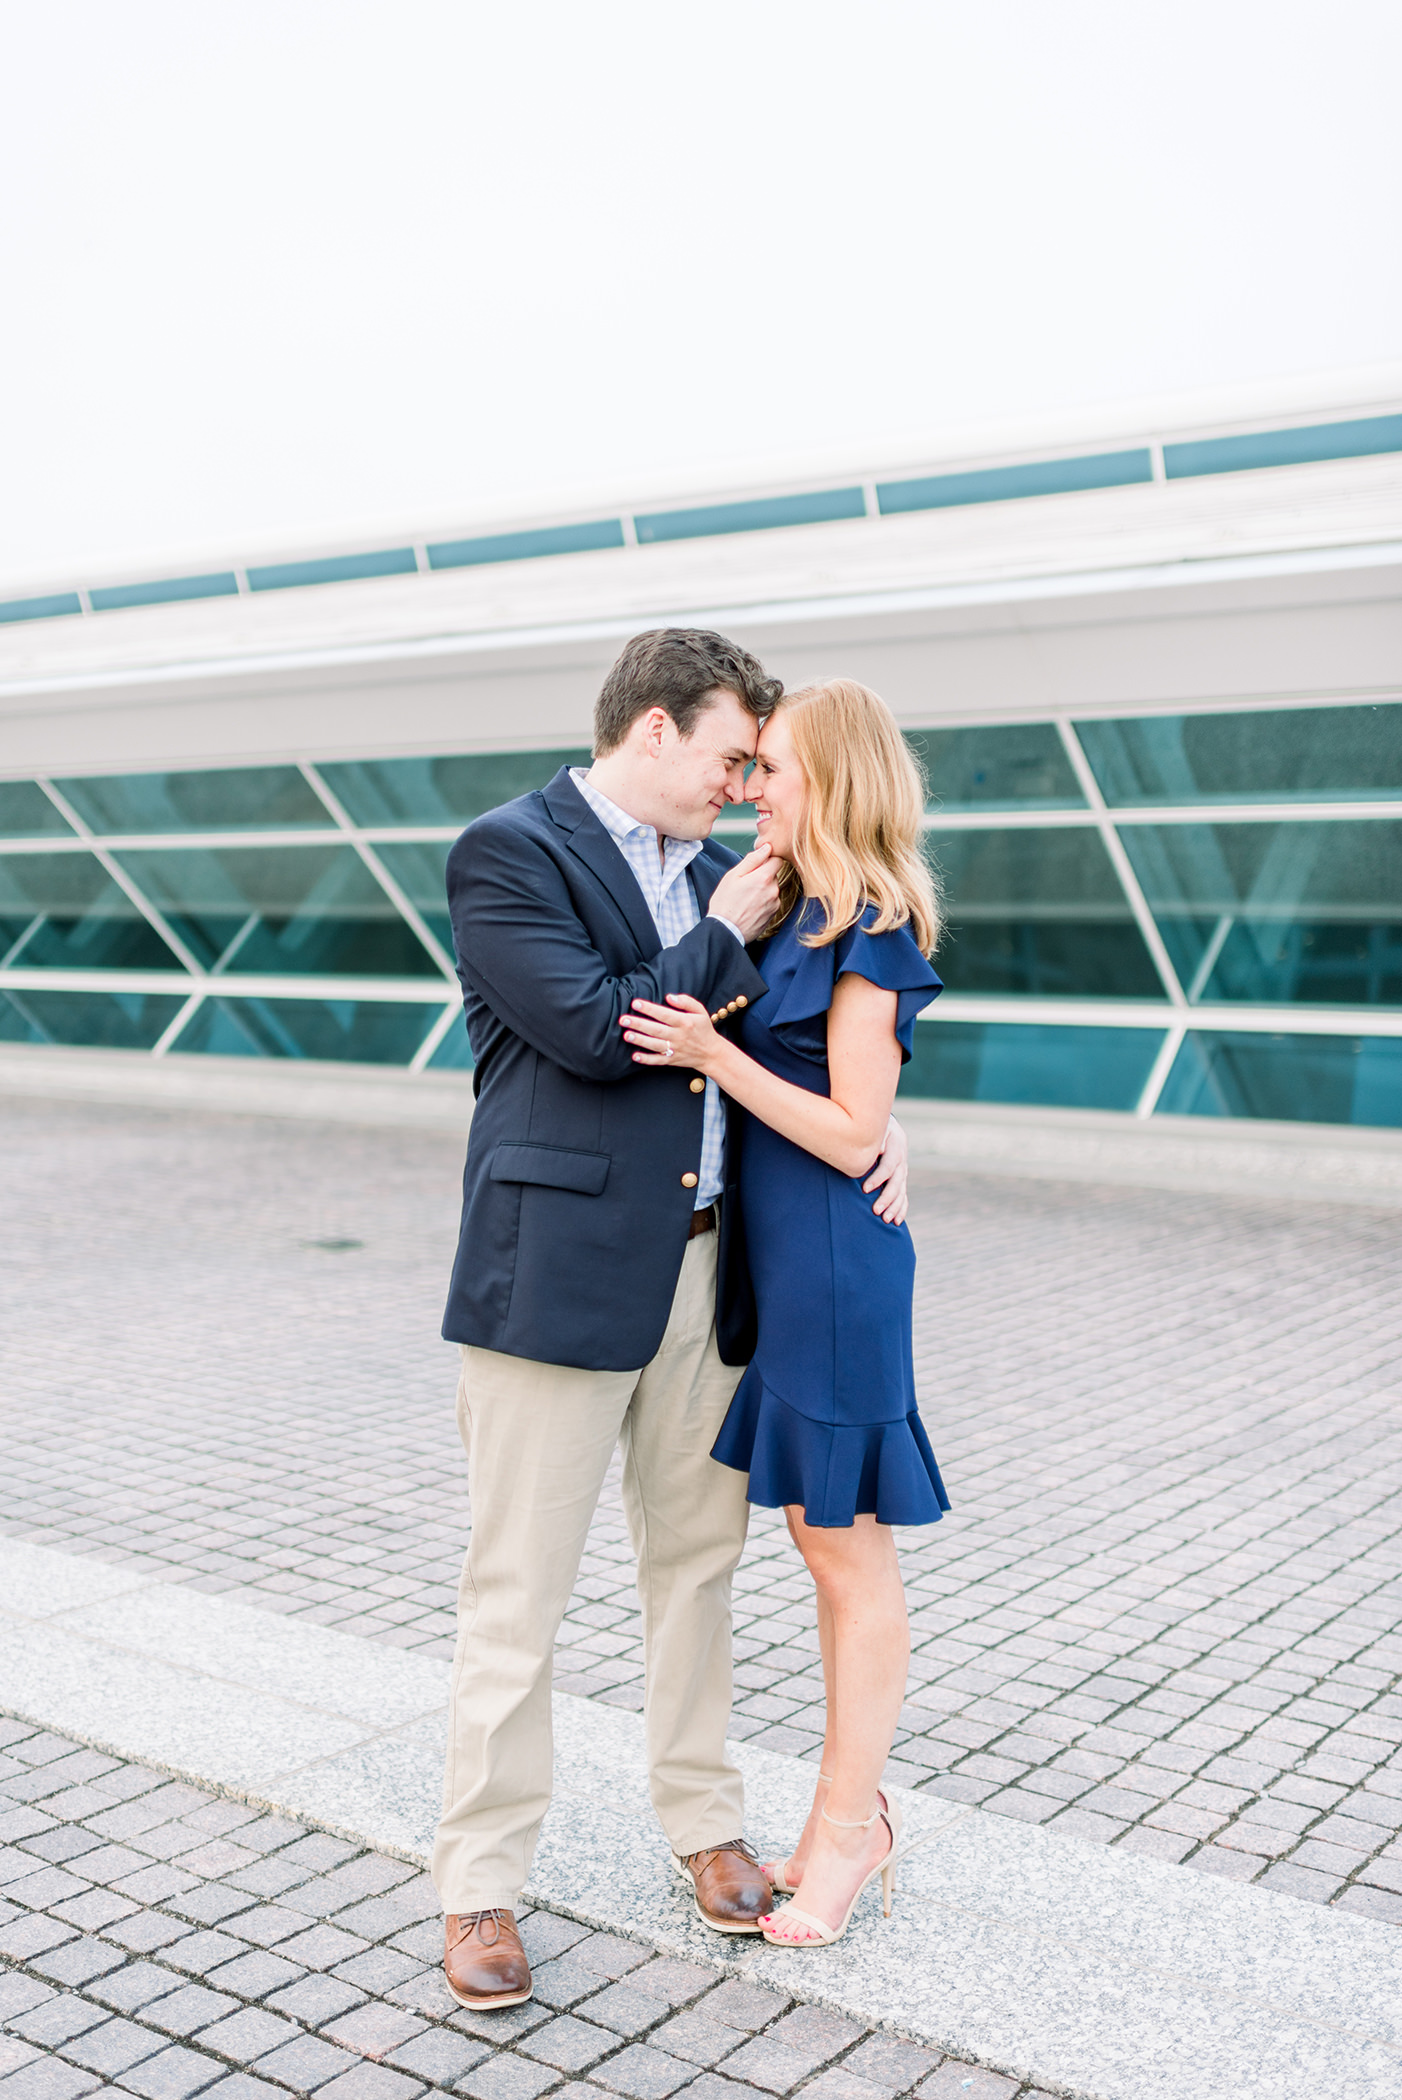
{"x":705,"y":873}
{"x":601,"y":856}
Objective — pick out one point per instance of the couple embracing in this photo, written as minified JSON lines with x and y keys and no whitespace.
{"x":685,"y":1068}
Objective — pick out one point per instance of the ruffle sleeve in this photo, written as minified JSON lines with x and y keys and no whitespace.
{"x":892,"y":960}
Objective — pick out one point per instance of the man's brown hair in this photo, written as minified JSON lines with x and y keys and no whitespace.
{"x":676,"y":668}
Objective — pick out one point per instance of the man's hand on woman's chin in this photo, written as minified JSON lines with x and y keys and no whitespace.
{"x":890,"y":1175}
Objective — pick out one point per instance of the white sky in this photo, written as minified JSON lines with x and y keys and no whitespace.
{"x":289,"y":271}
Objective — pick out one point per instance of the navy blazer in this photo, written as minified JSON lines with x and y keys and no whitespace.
{"x":575,"y":1214}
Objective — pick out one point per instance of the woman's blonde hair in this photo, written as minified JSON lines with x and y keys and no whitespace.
{"x":857,"y":839}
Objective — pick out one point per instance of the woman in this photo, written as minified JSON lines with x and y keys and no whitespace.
{"x":824,"y":1420}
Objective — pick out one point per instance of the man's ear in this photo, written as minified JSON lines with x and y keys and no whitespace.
{"x":655,"y":726}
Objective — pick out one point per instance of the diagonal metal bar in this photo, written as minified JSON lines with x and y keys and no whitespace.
{"x":419,"y":1061}
{"x":401,"y":901}
{"x":119,"y":875}
{"x":1114,"y":846}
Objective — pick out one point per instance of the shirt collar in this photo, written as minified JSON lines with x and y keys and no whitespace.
{"x":677,"y":853}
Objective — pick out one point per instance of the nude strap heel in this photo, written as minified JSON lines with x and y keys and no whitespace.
{"x":823,"y":1934}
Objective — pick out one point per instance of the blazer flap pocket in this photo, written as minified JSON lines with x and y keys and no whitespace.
{"x":552,"y":1167}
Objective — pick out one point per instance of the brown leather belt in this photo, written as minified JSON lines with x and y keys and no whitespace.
{"x":702,"y":1221}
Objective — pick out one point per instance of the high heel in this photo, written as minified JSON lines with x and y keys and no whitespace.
{"x":824,"y":1934}
{"x":775,"y":1868}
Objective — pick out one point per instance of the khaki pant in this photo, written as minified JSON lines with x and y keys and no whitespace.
{"x":539,"y":1438}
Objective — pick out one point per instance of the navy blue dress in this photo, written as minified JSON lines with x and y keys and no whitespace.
{"x":825,"y":1415}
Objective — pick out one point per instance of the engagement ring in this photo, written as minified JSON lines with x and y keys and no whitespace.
{"x":669,"y":1049}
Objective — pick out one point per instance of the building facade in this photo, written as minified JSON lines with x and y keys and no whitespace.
{"x":1155,"y":679}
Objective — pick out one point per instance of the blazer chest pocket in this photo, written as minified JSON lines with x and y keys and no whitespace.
{"x":552,"y":1167}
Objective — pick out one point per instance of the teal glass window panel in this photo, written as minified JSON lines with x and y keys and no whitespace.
{"x":1047,"y":1067}
{"x":63,"y":911}
{"x":418,"y":868}
{"x":27,"y":813}
{"x":345,"y":1031}
{"x":450,"y":790}
{"x":337,"y":568}
{"x":1020,"y":765}
{"x":57,"y":605}
{"x":526,"y":546}
{"x":1038,"y":911}
{"x":1287,"y":1078}
{"x":761,"y":514}
{"x":237,"y":798}
{"x":100,"y":1020}
{"x":454,"y":1053}
{"x":1041,"y":477}
{"x":1355,"y":439}
{"x":170,"y":591}
{"x":1293,"y":912}
{"x":289,"y":910}
{"x":1281,"y":754}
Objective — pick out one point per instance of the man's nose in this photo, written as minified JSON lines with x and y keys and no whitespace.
{"x":735,"y":784}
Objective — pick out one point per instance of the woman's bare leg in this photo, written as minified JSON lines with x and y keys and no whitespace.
{"x":793,"y":1866}
{"x":865,"y":1637}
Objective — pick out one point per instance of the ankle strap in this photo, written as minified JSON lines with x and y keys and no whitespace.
{"x":840,"y":1822}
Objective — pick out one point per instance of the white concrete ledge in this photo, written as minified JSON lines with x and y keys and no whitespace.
{"x":1322,"y":1162}
{"x":1095,"y":1973}
{"x":244,"y":1086}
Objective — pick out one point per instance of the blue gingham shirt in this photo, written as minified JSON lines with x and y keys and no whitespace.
{"x":672,"y":902}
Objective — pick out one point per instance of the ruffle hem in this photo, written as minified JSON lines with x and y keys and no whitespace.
{"x":881,"y":1469}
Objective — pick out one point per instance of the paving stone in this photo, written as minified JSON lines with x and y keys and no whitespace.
{"x":249,"y":2032}
{"x":57,"y":2020}
{"x":958,"y":2081}
{"x":51,"y":2079}
{"x":892,"y":2065}
{"x":624,"y":2009}
{"x":837,"y":2083}
{"x":172,"y":2075}
{"x":699,"y":2040}
{"x":569,"y":2044}
{"x":315,"y":1999}
{"x":207,"y":1903}
{"x":768,"y":2064}
{"x":677,"y":1982}
{"x":438,"y":2056}
{"x":254,"y":1975}
{"x":746,"y":2006}
{"x":544,"y":1936}
{"x":77,"y":1961}
{"x":507,"y":2077}
{"x":241,"y":2087}
{"x":379,"y":1969}
{"x":374,"y":2029}
{"x":306,"y":2063}
{"x":1371,"y":1903}
{"x":112,"y":2048}
{"x":187,"y":2008}
{"x":814,"y":2033}
{"x":200,"y":1953}
{"x":18,"y":1993}
{"x":639,"y":2072}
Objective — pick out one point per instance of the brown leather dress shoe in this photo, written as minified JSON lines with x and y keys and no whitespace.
{"x":732,"y":1890}
{"x":484,"y":1961}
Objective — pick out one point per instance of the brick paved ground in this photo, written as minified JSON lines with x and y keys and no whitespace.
{"x":159,"y":1940}
{"x":1164,"y":1615}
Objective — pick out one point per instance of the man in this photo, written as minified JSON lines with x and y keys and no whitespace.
{"x":599,"y":1291}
